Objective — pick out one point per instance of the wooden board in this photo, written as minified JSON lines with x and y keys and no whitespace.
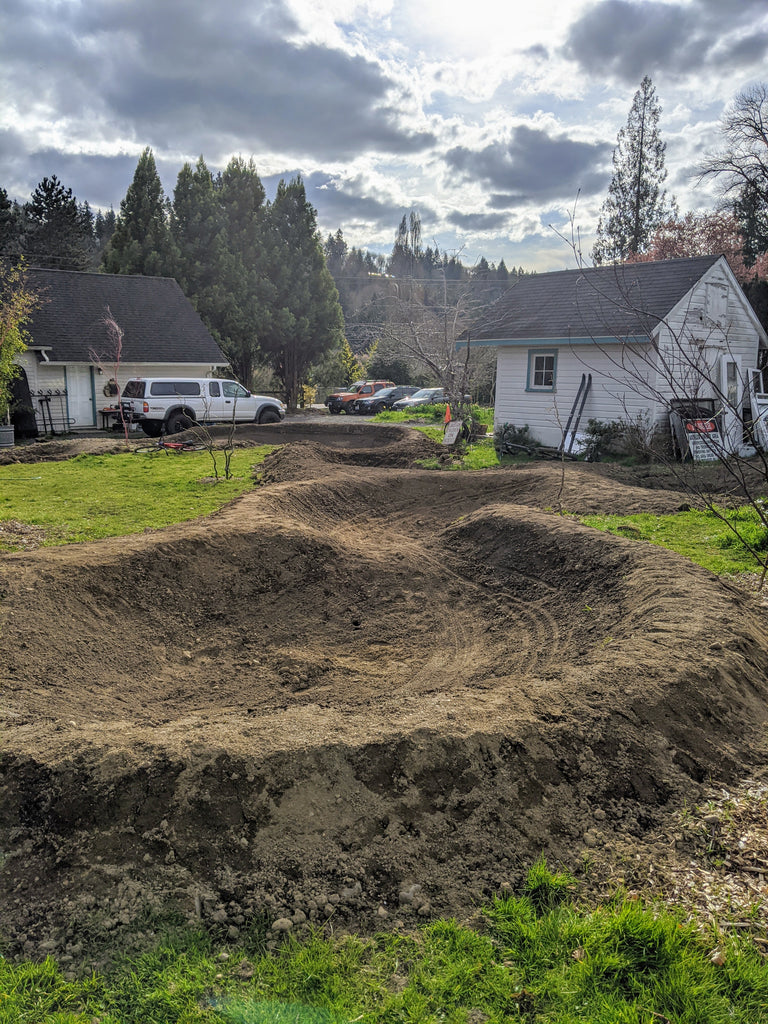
{"x":452,"y":432}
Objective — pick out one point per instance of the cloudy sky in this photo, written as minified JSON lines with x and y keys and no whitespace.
{"x":489,"y":118}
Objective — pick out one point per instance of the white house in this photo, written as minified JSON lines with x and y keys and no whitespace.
{"x":623,"y":342}
{"x":70,"y":360}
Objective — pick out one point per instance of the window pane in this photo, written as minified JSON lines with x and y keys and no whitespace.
{"x":543,"y":375}
{"x":233,"y":390}
{"x":167,"y":388}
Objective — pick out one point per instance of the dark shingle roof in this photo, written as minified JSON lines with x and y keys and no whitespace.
{"x":593,"y":302}
{"x":158,"y":321}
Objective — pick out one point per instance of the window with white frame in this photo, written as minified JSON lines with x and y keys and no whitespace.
{"x":542,"y":370}
{"x":717,"y":302}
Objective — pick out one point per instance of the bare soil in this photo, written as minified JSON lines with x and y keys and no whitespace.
{"x":362,"y":694}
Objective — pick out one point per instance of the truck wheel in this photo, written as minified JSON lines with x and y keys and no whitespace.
{"x":177,"y":422}
{"x":269,"y":416}
{"x":333,"y":410}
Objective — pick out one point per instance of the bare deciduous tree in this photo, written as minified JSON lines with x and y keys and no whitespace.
{"x":436,"y":335}
{"x":111,"y":356}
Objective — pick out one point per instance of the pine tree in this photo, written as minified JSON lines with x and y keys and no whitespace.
{"x":197,"y":229}
{"x":239,"y":314}
{"x":10,"y":225}
{"x":636,"y":204}
{"x":141,"y":242}
{"x":305,"y":315}
{"x":335,"y":254}
{"x":58,"y":230}
{"x":104,"y":227}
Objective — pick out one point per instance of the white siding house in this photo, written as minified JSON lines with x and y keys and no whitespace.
{"x":642,"y":336}
{"x":70,"y":359}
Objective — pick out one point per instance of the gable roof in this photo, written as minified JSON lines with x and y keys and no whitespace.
{"x":159,"y":322}
{"x":623,"y":301}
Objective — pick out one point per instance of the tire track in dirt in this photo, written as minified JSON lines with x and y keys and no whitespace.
{"x":358,"y":677}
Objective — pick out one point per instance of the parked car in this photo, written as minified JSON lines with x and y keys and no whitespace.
{"x":383,"y":399}
{"x":426,"y":396}
{"x":171,"y":404}
{"x":340,"y":401}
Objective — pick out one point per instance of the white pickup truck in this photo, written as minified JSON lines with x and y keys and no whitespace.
{"x":172,"y":404}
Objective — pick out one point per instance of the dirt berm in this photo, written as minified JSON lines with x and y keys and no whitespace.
{"x":363,"y":692}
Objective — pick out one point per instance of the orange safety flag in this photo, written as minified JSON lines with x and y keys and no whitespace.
{"x":447,"y":417}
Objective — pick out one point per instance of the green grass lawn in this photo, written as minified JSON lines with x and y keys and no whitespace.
{"x":94,"y":496}
{"x":702,"y":536}
{"x":431,"y":413}
{"x":540,"y":959}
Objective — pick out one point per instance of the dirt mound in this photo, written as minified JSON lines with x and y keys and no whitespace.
{"x":346,"y":435}
{"x":359,"y":691}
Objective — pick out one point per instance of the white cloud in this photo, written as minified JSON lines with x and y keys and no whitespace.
{"x":487,"y":116}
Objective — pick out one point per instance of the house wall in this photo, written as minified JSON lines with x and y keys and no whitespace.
{"x":711,"y":331}
{"x":73,"y":394}
{"x":714,"y":319}
{"x":546,"y":412}
{"x":710,"y":328}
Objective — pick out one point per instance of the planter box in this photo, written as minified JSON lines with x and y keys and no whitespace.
{"x":7,"y":435}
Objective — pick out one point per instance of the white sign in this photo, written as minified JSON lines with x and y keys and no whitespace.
{"x":705,"y":442}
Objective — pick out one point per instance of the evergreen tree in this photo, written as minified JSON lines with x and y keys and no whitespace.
{"x":141,"y":242}
{"x":636,"y":204}
{"x":58,"y":231}
{"x":196,"y":229}
{"x":305,"y":315}
{"x":10,"y":225}
{"x":239,"y":313}
{"x":751,"y":211}
{"x":481,"y":271}
{"x":104,"y":228}
{"x":335,"y":255}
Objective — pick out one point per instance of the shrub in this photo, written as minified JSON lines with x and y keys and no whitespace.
{"x":599,"y":437}
{"x":509,"y":439}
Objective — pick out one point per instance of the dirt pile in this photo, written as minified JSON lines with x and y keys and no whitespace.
{"x":361,"y":693}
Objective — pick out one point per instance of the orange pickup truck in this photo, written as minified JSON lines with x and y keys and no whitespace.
{"x":341,"y":401}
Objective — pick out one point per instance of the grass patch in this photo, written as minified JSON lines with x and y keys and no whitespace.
{"x":431,"y":413}
{"x":94,"y":496}
{"x":701,"y":536}
{"x":479,"y":454}
{"x":541,"y":959}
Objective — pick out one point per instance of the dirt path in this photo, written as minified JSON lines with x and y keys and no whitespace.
{"x":363,"y":691}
